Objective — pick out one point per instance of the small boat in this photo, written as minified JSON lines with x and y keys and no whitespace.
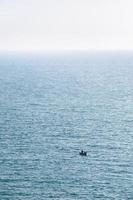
{"x":83,"y":153}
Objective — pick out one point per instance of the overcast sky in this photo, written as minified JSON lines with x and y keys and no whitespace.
{"x":66,"y":24}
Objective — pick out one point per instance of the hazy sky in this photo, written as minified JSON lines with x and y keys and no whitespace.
{"x":66,"y":24}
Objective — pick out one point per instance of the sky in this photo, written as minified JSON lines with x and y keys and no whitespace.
{"x":28,"y":25}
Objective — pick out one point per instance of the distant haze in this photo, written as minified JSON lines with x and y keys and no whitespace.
{"x":66,"y":25}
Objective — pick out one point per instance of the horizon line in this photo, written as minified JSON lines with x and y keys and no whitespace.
{"x":64,"y":50}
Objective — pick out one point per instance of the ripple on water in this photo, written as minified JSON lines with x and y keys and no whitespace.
{"x":49,"y":112}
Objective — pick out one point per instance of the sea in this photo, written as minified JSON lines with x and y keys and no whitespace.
{"x":52,"y":106}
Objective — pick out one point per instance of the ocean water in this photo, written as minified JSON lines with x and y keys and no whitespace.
{"x":51,"y":107}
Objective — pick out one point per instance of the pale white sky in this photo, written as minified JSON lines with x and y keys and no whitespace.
{"x":66,"y":24}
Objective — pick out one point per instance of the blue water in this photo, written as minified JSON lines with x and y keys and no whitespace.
{"x":51,"y":107}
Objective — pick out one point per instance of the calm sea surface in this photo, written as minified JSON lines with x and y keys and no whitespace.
{"x":51,"y":107}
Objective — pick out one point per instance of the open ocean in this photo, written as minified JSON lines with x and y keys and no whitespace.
{"x":51,"y":107}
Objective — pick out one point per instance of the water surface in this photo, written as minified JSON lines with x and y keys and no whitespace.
{"x":51,"y":107}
